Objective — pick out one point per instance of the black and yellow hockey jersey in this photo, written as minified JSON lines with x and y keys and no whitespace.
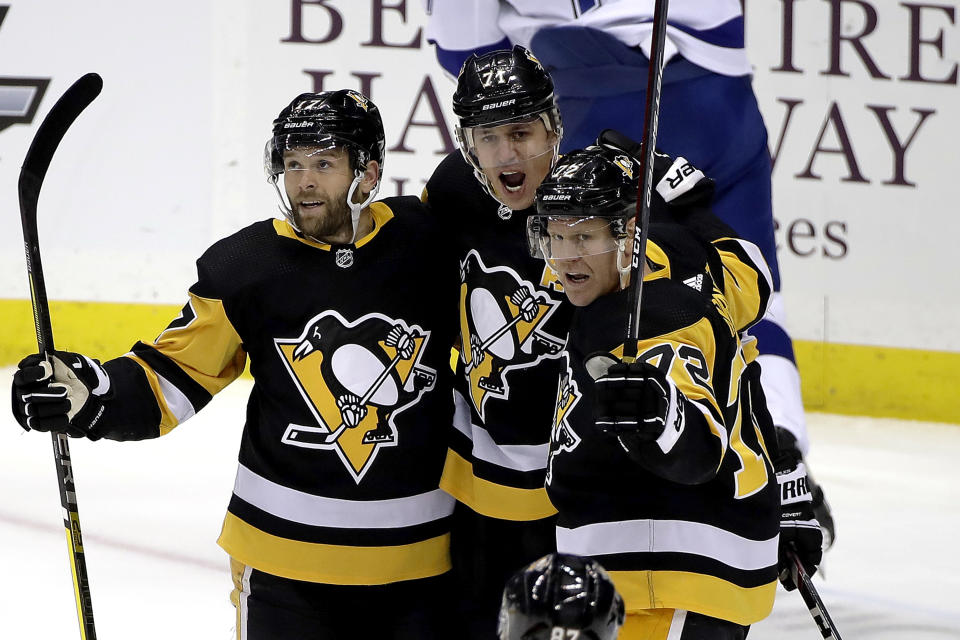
{"x":695,"y":527}
{"x":508,"y":358}
{"x":345,"y":436}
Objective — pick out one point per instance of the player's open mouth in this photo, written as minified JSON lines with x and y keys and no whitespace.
{"x":576,"y":278}
{"x":310,"y":205}
{"x":512,"y":180}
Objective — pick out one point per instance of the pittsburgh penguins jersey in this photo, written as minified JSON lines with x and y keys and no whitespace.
{"x":694,"y":526}
{"x":345,"y":435}
{"x":683,"y":196}
{"x":513,"y":323}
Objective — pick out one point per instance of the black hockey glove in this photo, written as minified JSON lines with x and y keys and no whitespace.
{"x":821,"y":508}
{"x":638,"y":404}
{"x":799,"y":529}
{"x":64,"y":395}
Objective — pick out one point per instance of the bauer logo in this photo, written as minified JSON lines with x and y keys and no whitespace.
{"x":497,"y":105}
{"x":19,"y":97}
{"x":549,"y":197}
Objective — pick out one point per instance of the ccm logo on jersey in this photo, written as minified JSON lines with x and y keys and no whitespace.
{"x":497,"y":105}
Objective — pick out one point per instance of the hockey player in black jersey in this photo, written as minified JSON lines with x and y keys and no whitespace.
{"x":561,"y":596}
{"x":661,"y":469}
{"x":513,"y":321}
{"x":337,"y":527}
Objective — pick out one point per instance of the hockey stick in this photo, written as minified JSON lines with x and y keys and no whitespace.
{"x":374,"y":386}
{"x":330,"y":438}
{"x":651,"y":120}
{"x":502,"y":330}
{"x":812,"y":599}
{"x":35,"y":165}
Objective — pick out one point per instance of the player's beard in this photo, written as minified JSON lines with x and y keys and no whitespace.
{"x":333,"y":221}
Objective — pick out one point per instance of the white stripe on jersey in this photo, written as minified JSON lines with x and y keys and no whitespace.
{"x":753,"y":251}
{"x":627,"y":20}
{"x":305,"y":508}
{"x":668,"y":536}
{"x":176,"y":400}
{"x":518,"y":457}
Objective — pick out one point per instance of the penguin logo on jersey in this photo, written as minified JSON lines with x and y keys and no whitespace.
{"x":562,"y":437}
{"x":355,"y":377}
{"x":501,"y":327}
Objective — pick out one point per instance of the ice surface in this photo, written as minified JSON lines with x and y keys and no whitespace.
{"x":151,"y":512}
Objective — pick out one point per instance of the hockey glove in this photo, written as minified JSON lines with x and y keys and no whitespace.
{"x":639,"y":404}
{"x":64,"y":395}
{"x":821,"y":508}
{"x":799,"y":529}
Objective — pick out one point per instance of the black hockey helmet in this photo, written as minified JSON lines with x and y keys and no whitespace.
{"x":561,"y":591}
{"x":343,"y":118}
{"x":596,"y":182}
{"x":504,"y":87}
{"x":501,"y":86}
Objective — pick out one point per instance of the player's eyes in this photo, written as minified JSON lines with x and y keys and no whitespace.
{"x":292,"y":166}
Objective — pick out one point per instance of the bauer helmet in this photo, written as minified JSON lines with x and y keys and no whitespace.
{"x":561,"y":595}
{"x":332,"y":119}
{"x":584,"y":205}
{"x":500,"y":88}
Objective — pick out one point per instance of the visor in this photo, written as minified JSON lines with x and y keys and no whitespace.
{"x":312,"y":143}
{"x":565,"y":237}
{"x":508,"y":143}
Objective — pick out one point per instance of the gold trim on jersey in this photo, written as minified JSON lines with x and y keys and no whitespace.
{"x":489,"y":498}
{"x":741,"y":286}
{"x":692,"y":354}
{"x":381,"y":215}
{"x":333,"y":564}
{"x":658,"y":257}
{"x":168,"y":417}
{"x":204,"y":344}
{"x":707,"y":595}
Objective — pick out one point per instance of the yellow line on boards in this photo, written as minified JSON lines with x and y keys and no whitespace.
{"x":837,"y":378}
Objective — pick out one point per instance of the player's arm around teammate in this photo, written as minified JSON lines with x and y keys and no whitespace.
{"x":337,"y":527}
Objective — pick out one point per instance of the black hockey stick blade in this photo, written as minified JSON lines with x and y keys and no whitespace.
{"x":812,"y":599}
{"x":651,"y":119}
{"x":70,"y":105}
{"x":51,"y":131}
{"x":34,"y":170}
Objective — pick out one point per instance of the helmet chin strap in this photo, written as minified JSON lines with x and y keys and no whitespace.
{"x":624,"y":270}
{"x":283,"y":206}
{"x":357,"y":208}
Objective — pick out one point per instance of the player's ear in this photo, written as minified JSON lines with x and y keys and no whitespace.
{"x":628,"y":242}
{"x":370,"y":176}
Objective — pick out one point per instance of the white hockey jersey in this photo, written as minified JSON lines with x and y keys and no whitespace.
{"x":709,"y":33}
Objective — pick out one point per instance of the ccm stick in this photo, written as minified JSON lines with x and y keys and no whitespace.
{"x":651,"y":120}
{"x":35,"y":165}
{"x":812,"y":599}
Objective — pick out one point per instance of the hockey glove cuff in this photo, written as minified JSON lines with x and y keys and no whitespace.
{"x":65,"y":394}
{"x":799,"y":529}
{"x":821,"y":508}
